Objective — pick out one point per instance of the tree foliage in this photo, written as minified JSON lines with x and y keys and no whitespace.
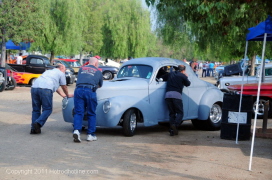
{"x":218,"y":27}
{"x":61,"y":27}
{"x":126,"y":31}
{"x":15,"y":20}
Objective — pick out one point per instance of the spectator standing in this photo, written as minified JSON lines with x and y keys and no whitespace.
{"x":193,"y":65}
{"x":42,"y":95}
{"x":204,"y":69}
{"x":88,"y":80}
{"x":211,"y":69}
{"x":19,"y":59}
{"x":200,"y":65}
{"x":176,"y":80}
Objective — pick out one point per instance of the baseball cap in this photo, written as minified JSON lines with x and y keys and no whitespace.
{"x":97,"y":57}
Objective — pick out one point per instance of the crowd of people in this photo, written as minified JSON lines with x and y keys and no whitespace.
{"x":207,"y":68}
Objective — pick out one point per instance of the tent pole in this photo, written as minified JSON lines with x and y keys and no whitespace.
{"x":242,"y":87}
{"x":257,"y":107}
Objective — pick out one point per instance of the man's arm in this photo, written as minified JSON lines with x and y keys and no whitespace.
{"x":64,"y":93}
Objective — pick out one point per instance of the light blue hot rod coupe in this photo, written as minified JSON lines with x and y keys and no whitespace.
{"x":136,"y":95}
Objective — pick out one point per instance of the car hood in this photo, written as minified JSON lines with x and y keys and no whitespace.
{"x":122,"y":87}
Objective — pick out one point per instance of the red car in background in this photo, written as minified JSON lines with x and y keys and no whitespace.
{"x":252,"y":89}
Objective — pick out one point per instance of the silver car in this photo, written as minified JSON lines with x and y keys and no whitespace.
{"x":136,"y":95}
{"x":224,"y":82}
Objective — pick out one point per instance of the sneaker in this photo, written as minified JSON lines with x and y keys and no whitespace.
{"x":37,"y":128}
{"x":174,"y":128}
{"x":91,"y":138}
{"x":76,"y":136}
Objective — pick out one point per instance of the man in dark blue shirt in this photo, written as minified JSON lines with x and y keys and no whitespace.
{"x":175,"y":82}
{"x":88,"y":80}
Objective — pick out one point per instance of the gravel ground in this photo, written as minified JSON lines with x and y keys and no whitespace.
{"x":150,"y":154}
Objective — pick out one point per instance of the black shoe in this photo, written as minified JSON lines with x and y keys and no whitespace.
{"x":32,"y":131}
{"x":174,"y":128}
{"x":171,"y":132}
{"x":37,"y":128}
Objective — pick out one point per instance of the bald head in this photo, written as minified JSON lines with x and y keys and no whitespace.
{"x":93,"y":61}
{"x":61,"y":67}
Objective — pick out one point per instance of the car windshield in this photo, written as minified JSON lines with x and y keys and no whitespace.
{"x":140,"y":71}
{"x":74,"y":64}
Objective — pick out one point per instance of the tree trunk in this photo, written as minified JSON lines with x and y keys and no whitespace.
{"x":3,"y":51}
{"x":52,"y":57}
{"x":80,"y":58}
{"x":252,"y":67}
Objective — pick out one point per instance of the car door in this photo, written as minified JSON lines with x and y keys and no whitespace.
{"x":157,"y":91}
{"x":36,"y":65}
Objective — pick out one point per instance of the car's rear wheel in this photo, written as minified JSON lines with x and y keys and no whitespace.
{"x":261,"y":105}
{"x":107,"y":75}
{"x":130,"y":122}
{"x":214,"y":120}
{"x":32,"y":81}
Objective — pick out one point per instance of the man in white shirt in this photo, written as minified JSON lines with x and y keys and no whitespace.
{"x":20,"y":59}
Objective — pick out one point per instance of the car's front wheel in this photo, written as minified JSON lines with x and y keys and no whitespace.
{"x":130,"y":122}
{"x":107,"y":75}
{"x":214,"y":120}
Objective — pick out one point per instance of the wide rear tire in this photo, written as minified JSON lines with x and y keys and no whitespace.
{"x":213,"y":122}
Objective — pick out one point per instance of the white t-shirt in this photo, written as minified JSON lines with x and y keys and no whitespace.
{"x":19,"y":60}
{"x":50,"y":79}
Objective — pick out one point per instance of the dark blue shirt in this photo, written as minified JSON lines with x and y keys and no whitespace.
{"x":89,"y":75}
{"x":176,"y":81}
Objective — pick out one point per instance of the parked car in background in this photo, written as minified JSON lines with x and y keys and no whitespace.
{"x":2,"y":78}
{"x":252,"y":89}
{"x":69,"y":73}
{"x":108,"y":72}
{"x":218,"y":71}
{"x":136,"y":95}
{"x":224,"y":82}
{"x":75,"y":64}
{"x":25,"y":78}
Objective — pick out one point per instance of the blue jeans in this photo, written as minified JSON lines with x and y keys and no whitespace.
{"x":210,"y":71}
{"x":85,"y":99}
{"x":175,"y":107}
{"x":42,"y":105}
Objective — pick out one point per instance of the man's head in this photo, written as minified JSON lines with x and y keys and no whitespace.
{"x":61,"y":67}
{"x":20,"y":54}
{"x":181,"y":68}
{"x":93,"y":61}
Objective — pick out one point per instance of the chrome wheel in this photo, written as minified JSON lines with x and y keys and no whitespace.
{"x":133,"y":120}
{"x":260,"y":107}
{"x":215,"y":113}
{"x":107,"y":75}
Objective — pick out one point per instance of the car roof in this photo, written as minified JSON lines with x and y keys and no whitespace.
{"x":155,"y":62}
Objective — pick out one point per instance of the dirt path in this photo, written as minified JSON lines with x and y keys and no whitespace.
{"x":150,"y":154}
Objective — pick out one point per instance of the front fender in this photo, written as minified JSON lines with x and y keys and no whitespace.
{"x":210,"y":97}
{"x":119,"y":105}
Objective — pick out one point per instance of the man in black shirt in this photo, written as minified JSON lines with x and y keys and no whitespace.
{"x":175,"y":82}
{"x":88,"y":80}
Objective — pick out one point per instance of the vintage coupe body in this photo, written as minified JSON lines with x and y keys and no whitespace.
{"x":136,"y":95}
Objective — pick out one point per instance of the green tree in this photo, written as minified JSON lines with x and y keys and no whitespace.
{"x":127,"y":29}
{"x":17,"y":16}
{"x":61,"y":27}
{"x":218,"y":27}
